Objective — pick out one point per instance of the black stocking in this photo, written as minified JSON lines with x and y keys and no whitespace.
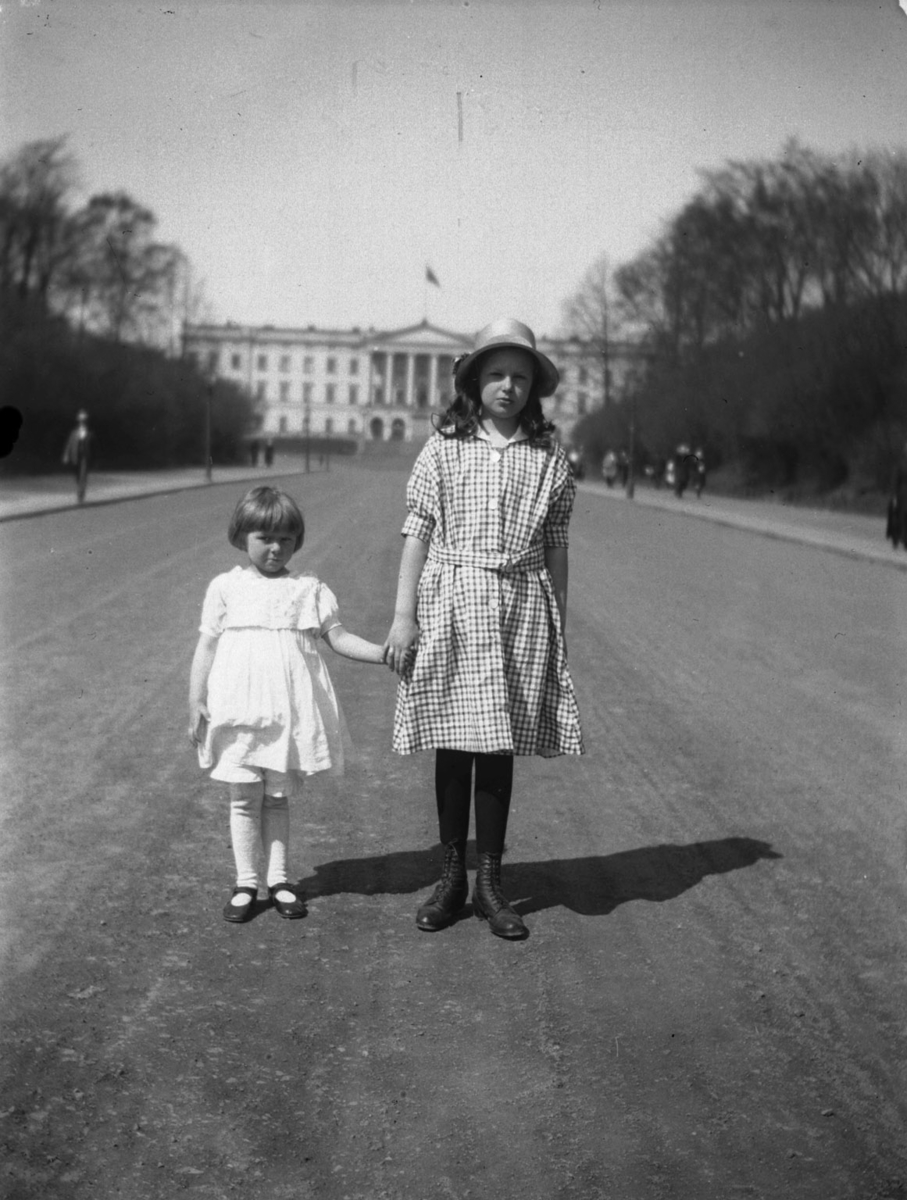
{"x":453,"y":787}
{"x":494,"y":785}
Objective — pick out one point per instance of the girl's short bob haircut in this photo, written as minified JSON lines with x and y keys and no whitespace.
{"x":265,"y":510}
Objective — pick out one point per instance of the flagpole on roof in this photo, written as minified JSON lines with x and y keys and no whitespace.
{"x":430,"y":277}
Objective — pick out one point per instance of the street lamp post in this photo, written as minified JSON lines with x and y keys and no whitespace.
{"x":209,"y":399}
{"x":606,"y":372}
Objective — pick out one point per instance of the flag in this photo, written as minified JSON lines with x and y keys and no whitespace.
{"x":430,"y":276}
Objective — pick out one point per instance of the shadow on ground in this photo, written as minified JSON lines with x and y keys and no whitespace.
{"x":593,"y":886}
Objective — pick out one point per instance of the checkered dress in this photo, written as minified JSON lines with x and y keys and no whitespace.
{"x":490,"y":674}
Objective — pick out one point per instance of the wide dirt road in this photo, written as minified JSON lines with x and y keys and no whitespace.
{"x":712,"y":1000}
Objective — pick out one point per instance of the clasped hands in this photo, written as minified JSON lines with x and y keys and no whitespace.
{"x":400,"y":643}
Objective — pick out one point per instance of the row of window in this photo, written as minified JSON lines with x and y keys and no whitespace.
{"x":328,"y":425}
{"x":308,"y":393}
{"x":376,"y":428}
{"x":580,"y":402}
{"x":352,"y":426}
{"x":330,"y":394}
{"x":331,"y":364}
{"x":284,"y":363}
{"x":352,"y":395}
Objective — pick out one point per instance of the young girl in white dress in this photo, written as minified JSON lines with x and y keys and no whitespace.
{"x":262,"y":710}
{"x":482,"y":599}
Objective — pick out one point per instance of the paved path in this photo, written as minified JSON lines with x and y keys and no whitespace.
{"x":853,"y":534}
{"x":29,"y":496}
{"x":710,"y":1004}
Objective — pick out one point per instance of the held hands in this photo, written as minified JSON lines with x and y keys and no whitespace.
{"x":400,"y":643}
{"x":198,"y":719}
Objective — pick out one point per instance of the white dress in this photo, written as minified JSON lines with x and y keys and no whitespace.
{"x":270,"y":698}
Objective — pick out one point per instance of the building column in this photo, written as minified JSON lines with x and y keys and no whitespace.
{"x":433,"y":381}
{"x":410,"y":372}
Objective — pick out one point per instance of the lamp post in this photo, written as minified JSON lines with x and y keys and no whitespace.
{"x":209,"y":399}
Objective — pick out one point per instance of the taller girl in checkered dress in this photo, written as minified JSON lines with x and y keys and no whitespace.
{"x":482,"y":600}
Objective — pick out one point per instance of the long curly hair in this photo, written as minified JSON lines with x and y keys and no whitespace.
{"x":461,"y":417}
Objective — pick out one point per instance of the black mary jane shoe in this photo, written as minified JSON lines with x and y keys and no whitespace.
{"x":292,"y":909}
{"x":237,"y":913}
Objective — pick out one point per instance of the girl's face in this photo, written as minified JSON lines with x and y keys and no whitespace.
{"x":269,"y":553}
{"x":505,"y":377}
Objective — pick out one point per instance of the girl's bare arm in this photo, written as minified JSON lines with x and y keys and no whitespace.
{"x":556,"y":562}
{"x":202,"y":662}
{"x":404,"y":631}
{"x":350,"y":645}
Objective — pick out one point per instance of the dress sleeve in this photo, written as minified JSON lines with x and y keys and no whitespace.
{"x":327,"y":608}
{"x":422,"y":494}
{"x":560,"y":506}
{"x":214,"y":609}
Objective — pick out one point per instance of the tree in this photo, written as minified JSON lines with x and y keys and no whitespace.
{"x":34,"y":220}
{"x":123,"y":277}
{"x":880,"y":252}
{"x":773,"y":312}
{"x":764,"y":251}
{"x":188,"y":304}
{"x":589,"y":314}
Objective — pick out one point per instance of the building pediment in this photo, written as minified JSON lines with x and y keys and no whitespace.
{"x":423,"y":336}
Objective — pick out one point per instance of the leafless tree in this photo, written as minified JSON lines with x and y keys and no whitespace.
{"x":590,"y":314}
{"x":121,"y":274}
{"x":35,"y":235}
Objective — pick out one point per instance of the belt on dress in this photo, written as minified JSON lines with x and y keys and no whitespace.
{"x":520,"y":563}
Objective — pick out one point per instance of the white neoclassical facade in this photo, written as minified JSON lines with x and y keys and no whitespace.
{"x":373,"y":384}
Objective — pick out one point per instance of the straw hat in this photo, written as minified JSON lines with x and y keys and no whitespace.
{"x":506,"y":334}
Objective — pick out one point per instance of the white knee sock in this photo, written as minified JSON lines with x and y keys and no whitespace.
{"x":245,"y":830}
{"x":275,"y":837}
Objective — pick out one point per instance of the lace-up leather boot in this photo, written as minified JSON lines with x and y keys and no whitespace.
{"x":489,"y":902}
{"x":451,"y":893}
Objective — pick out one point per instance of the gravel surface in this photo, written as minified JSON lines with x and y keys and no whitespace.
{"x":710,"y":1003}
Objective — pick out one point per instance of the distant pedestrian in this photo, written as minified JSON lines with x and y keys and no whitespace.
{"x":269,"y":452}
{"x":681,"y":470}
{"x":623,"y":466}
{"x":478,"y":635}
{"x":699,"y":471}
{"x":576,"y":462}
{"x":897,"y":505}
{"x":262,"y":709}
{"x":253,"y":452}
{"x":77,"y":453}
{"x":609,"y":468}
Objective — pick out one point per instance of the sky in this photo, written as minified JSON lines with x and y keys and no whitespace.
{"x":312,"y":159}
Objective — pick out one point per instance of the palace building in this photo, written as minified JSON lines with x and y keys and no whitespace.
{"x":374,"y":385}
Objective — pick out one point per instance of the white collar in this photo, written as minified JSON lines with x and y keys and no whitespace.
{"x":497,"y":440}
